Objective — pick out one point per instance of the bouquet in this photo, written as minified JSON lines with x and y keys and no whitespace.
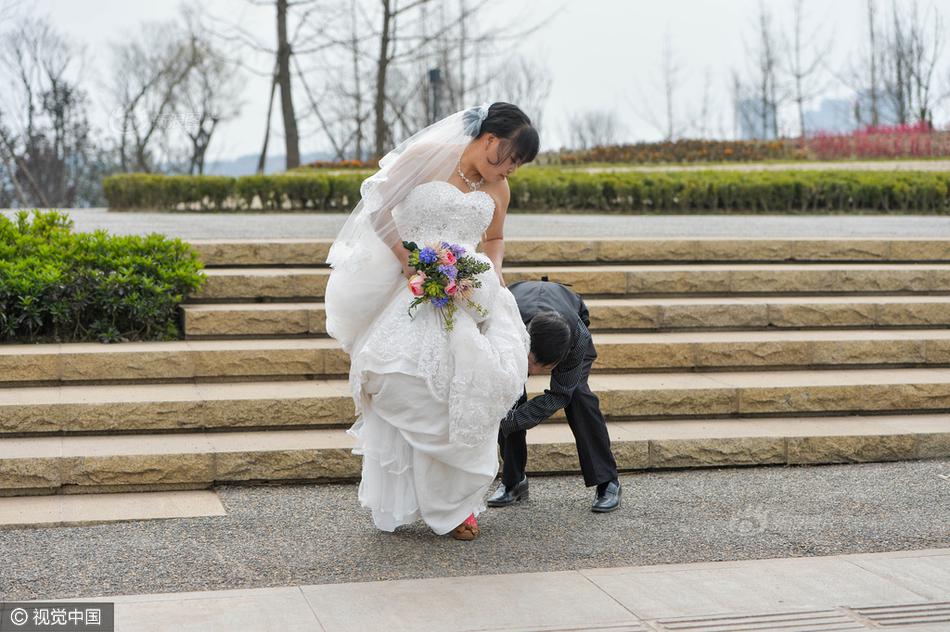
{"x":444,"y":276}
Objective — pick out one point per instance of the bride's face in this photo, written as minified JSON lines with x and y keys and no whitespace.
{"x":492,"y":167}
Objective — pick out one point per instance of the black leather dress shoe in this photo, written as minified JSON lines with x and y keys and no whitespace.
{"x":504,"y":497}
{"x":607,"y":499}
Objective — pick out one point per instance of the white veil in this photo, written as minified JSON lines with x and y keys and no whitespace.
{"x":365,"y":271}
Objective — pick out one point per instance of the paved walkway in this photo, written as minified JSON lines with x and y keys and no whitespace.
{"x":317,"y":534}
{"x":909,"y":590}
{"x":326,"y":226}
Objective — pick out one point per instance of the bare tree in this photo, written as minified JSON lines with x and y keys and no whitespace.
{"x":470,"y":54}
{"x":388,"y":37}
{"x":926,"y":47}
{"x":760,"y":95}
{"x":147,"y":74}
{"x":668,"y":83}
{"x":526,"y":83}
{"x":340,"y":108}
{"x":296,"y":21}
{"x":291,"y":140}
{"x":701,"y":127}
{"x":592,"y":128}
{"x":806,"y":55}
{"x":864,"y":75}
{"x":210,"y":96}
{"x":45,"y":142}
{"x":356,"y":97}
{"x":896,"y":57}
{"x":672,"y":77}
{"x":364,"y":71}
{"x":913,"y":47}
{"x":873,"y":53}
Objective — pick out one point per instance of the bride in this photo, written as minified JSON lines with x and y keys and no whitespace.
{"x":429,"y":400}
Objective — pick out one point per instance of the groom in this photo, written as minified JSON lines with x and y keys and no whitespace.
{"x":561,"y":346}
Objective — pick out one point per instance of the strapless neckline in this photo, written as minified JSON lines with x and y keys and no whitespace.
{"x":460,"y":191}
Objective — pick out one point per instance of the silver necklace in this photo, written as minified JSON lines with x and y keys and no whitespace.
{"x":473,"y":185}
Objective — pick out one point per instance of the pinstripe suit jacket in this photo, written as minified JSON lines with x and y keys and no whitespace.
{"x":539,"y":296}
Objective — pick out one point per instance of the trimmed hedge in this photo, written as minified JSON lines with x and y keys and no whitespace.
{"x":60,"y":286}
{"x":302,"y":191}
{"x":553,"y":189}
{"x":789,"y":191}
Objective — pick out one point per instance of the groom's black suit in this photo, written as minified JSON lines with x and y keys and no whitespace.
{"x":569,"y":390}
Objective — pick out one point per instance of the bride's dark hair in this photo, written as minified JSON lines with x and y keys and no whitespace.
{"x":509,"y":123}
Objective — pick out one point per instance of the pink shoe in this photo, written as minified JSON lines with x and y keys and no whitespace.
{"x":468,"y":530}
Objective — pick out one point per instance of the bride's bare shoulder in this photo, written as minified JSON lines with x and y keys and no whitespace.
{"x":500,"y":192}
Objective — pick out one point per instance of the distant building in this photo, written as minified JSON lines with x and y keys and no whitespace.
{"x":749,"y":114}
{"x":886,"y":110}
{"x":833,"y":116}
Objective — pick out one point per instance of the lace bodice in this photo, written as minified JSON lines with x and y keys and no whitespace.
{"x":438,"y":210}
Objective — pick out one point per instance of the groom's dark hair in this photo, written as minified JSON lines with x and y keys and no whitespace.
{"x":508,"y":122}
{"x":550,"y":337}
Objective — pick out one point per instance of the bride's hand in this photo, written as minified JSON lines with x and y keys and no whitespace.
{"x":407,"y":270}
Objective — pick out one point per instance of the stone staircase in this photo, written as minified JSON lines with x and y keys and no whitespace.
{"x":712,"y":352}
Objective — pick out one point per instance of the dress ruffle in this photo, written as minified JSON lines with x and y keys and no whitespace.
{"x":410,"y":469}
{"x":387,"y":486}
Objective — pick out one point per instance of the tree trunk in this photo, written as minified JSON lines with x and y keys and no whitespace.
{"x":270,"y":106}
{"x":283,"y":78}
{"x":875,"y":120}
{"x":382,"y":65}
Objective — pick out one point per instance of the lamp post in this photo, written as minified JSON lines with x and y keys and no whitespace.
{"x":435,"y":93}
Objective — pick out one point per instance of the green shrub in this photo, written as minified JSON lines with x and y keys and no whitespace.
{"x":555,"y":189}
{"x":550,"y":189}
{"x":60,"y":286}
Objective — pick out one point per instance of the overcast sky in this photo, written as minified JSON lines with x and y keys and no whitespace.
{"x":600,"y":53}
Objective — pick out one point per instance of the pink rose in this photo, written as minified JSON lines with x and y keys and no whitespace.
{"x":447,"y":257}
{"x":416,"y":282}
{"x":451,"y":288}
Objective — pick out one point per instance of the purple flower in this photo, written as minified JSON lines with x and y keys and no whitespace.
{"x":449,"y":271}
{"x":440,"y":301}
{"x":427,"y":255}
{"x":457,"y":250}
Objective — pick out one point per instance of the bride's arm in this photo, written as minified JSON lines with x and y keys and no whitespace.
{"x":493,"y":241}
{"x":411,"y":167}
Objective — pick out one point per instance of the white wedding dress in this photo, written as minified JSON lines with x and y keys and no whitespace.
{"x":430,"y":400}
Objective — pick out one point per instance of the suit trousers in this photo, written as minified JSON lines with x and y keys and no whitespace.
{"x":590,"y":434}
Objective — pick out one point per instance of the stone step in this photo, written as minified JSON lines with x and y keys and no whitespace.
{"x":313,"y":252}
{"x":201,"y":360}
{"x":327,"y":403}
{"x":221,"y":320}
{"x":60,"y":510}
{"x":626,"y":280}
{"x":151,"y":462}
{"x":295,"y":358}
